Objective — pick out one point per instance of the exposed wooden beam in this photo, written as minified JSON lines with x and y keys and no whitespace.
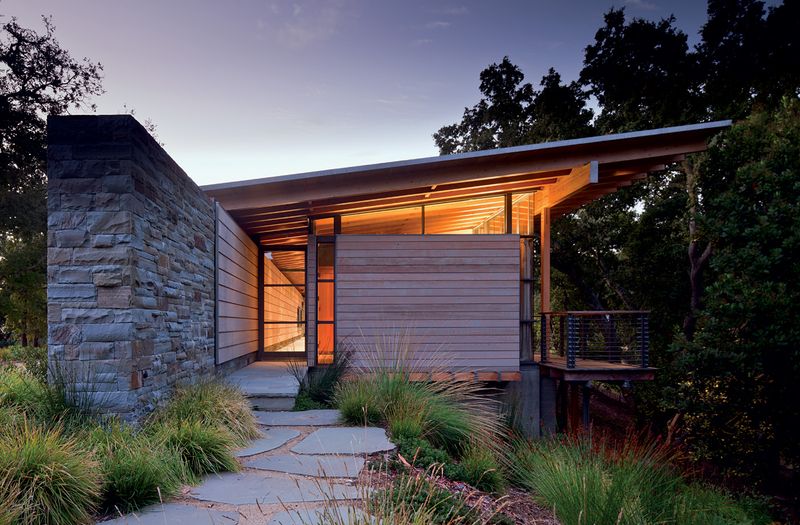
{"x":577,"y":181}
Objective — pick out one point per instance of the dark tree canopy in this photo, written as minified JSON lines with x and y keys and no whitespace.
{"x":37,"y":78}
{"x":641,"y":73}
{"x":705,"y":245}
{"x":512,"y":112}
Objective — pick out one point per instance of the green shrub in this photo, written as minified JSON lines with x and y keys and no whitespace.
{"x":34,"y":359}
{"x":478,"y":467}
{"x":420,"y":453}
{"x":53,"y":480}
{"x":596,"y":483}
{"x":56,"y":403}
{"x":203,"y":449}
{"x":303,"y":401}
{"x":137,"y":469}
{"x":358,"y":403}
{"x":213,"y":404}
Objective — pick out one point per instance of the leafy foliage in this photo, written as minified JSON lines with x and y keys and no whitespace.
{"x":34,"y":359}
{"x":739,"y":370}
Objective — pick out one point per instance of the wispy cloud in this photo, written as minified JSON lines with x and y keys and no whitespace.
{"x":438,"y":24}
{"x":644,"y":5}
{"x":456,"y":10}
{"x":302,"y":23}
{"x":421,"y":42}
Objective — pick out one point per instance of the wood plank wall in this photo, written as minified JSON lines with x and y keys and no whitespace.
{"x":311,"y":301}
{"x":281,"y":304}
{"x":456,"y":296}
{"x":237,"y":290}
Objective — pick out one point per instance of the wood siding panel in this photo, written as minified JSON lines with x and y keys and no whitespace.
{"x":311,"y":301}
{"x":237,"y":290}
{"x":456,"y":296}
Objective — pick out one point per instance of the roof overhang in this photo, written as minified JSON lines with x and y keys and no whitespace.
{"x":269,"y":206}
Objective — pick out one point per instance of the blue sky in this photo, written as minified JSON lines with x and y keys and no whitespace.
{"x":244,"y":89}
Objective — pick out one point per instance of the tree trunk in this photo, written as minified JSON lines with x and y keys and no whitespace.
{"x":698,"y":256}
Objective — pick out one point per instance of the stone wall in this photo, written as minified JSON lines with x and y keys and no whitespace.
{"x":130,"y":264}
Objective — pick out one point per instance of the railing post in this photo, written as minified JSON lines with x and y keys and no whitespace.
{"x":572,"y":340}
{"x":644,"y":338}
{"x":543,"y":339}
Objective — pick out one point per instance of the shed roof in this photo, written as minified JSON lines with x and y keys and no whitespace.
{"x":571,"y":173}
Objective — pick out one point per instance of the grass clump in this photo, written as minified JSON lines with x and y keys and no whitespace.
{"x":594,"y":482}
{"x":449,"y":414}
{"x":137,"y":469}
{"x":414,"y":499}
{"x":48,"y":477}
{"x":211,"y":404}
{"x":478,"y":467}
{"x":318,"y":385}
{"x":203,"y":449}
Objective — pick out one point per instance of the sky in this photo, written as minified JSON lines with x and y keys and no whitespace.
{"x":242,"y":89}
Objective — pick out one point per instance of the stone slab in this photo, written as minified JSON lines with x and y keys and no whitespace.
{"x":345,"y":440}
{"x":246,"y":488}
{"x":309,"y":465}
{"x":265,"y":379}
{"x":273,"y":438}
{"x":176,"y":514}
{"x":306,"y":418}
{"x":319,"y":516}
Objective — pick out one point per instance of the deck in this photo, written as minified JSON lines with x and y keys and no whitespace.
{"x":594,"y":370}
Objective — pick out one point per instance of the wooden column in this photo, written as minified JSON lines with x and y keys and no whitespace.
{"x":544,"y":257}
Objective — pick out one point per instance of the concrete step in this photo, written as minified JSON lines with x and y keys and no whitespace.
{"x":269,"y":385}
{"x":271,"y":403}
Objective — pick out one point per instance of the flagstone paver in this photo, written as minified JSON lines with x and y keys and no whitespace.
{"x":309,"y":475}
{"x":177,"y":514}
{"x":345,"y":440}
{"x":273,"y":438}
{"x":245,"y":488}
{"x":317,"y":516}
{"x":320,"y":466}
{"x":306,"y":418}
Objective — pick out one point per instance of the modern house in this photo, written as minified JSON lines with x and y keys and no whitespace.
{"x":153,"y":280}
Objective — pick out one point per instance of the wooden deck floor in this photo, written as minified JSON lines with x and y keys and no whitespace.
{"x":594,"y":370}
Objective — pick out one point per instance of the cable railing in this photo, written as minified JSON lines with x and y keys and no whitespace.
{"x":586,"y":339}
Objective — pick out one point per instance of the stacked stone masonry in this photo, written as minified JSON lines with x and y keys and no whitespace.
{"x":130,"y":264}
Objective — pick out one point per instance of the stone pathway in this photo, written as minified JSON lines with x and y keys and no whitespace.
{"x":290,"y":476}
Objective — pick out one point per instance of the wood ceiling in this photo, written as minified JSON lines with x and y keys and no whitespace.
{"x":566,"y":175}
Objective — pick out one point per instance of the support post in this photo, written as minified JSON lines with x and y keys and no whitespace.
{"x":544,"y":257}
{"x":587,"y":391}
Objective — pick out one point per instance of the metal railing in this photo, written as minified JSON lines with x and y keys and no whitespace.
{"x":589,"y":338}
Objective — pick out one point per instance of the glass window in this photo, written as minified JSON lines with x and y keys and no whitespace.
{"x":387,"y":222}
{"x":325,"y":301}
{"x":325,"y":344}
{"x":483,"y":215}
{"x":522,"y":214}
{"x":325,"y":260}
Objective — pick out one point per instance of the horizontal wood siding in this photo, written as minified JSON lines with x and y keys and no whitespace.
{"x":237,"y":290}
{"x":454,"y":297}
{"x":281,"y":304}
{"x":311,"y":301}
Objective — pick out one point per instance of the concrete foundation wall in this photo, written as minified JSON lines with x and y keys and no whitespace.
{"x":130,"y":264}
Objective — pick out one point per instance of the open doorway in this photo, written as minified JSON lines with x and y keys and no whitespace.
{"x":284,"y":304}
